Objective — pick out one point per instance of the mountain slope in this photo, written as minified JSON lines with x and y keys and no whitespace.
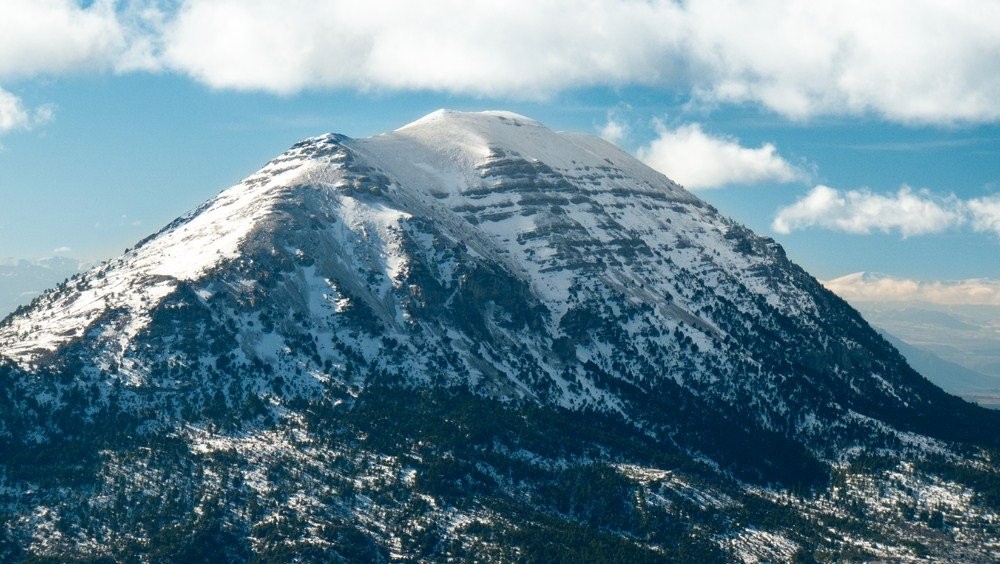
{"x":419,"y":343}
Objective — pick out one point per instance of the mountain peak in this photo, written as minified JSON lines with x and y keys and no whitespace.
{"x":464,"y":150}
{"x":479,"y":120}
{"x":863,"y":276}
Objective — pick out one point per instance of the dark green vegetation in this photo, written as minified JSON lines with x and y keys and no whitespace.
{"x":412,"y":460}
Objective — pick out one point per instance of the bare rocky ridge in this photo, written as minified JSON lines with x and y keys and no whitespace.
{"x":473,"y":337}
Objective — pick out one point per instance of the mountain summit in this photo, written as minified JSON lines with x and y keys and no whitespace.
{"x":471,"y":337}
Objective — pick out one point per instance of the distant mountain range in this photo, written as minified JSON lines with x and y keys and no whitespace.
{"x":21,"y":280}
{"x":473,"y":338}
{"x":965,"y":335}
{"x":955,"y":378}
{"x":957,"y":320}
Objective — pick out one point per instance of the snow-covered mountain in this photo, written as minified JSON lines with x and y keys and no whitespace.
{"x":471,"y":337}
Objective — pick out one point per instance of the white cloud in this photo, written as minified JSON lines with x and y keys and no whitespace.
{"x":864,"y":287}
{"x":861,"y":212}
{"x":524,"y":49}
{"x":697,"y":160}
{"x":53,"y":37}
{"x":58,"y":36}
{"x":985,"y":213}
{"x":13,"y":114}
{"x":906,"y":60}
{"x":614,"y":131}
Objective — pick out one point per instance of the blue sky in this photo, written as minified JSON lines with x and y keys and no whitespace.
{"x":861,"y":137}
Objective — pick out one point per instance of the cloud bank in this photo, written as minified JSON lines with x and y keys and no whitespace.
{"x":913,"y":61}
{"x":908,"y":211}
{"x":861,"y":212}
{"x":864,"y":287}
{"x":521,"y":49}
{"x":698,"y":160}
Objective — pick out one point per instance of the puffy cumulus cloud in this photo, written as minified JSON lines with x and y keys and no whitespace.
{"x":615,"y":130}
{"x":50,"y":37}
{"x":906,"y":60}
{"x":142,"y":23}
{"x":698,"y":160}
{"x":53,"y":37}
{"x":520,"y":48}
{"x":13,"y":114}
{"x":862,"y":212}
{"x":985,"y":213}
{"x":57,"y":36}
{"x":866,"y":287}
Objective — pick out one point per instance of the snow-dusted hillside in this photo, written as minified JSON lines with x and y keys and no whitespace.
{"x":478,"y":257}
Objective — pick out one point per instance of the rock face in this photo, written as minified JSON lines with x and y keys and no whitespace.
{"x":472,"y":337}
